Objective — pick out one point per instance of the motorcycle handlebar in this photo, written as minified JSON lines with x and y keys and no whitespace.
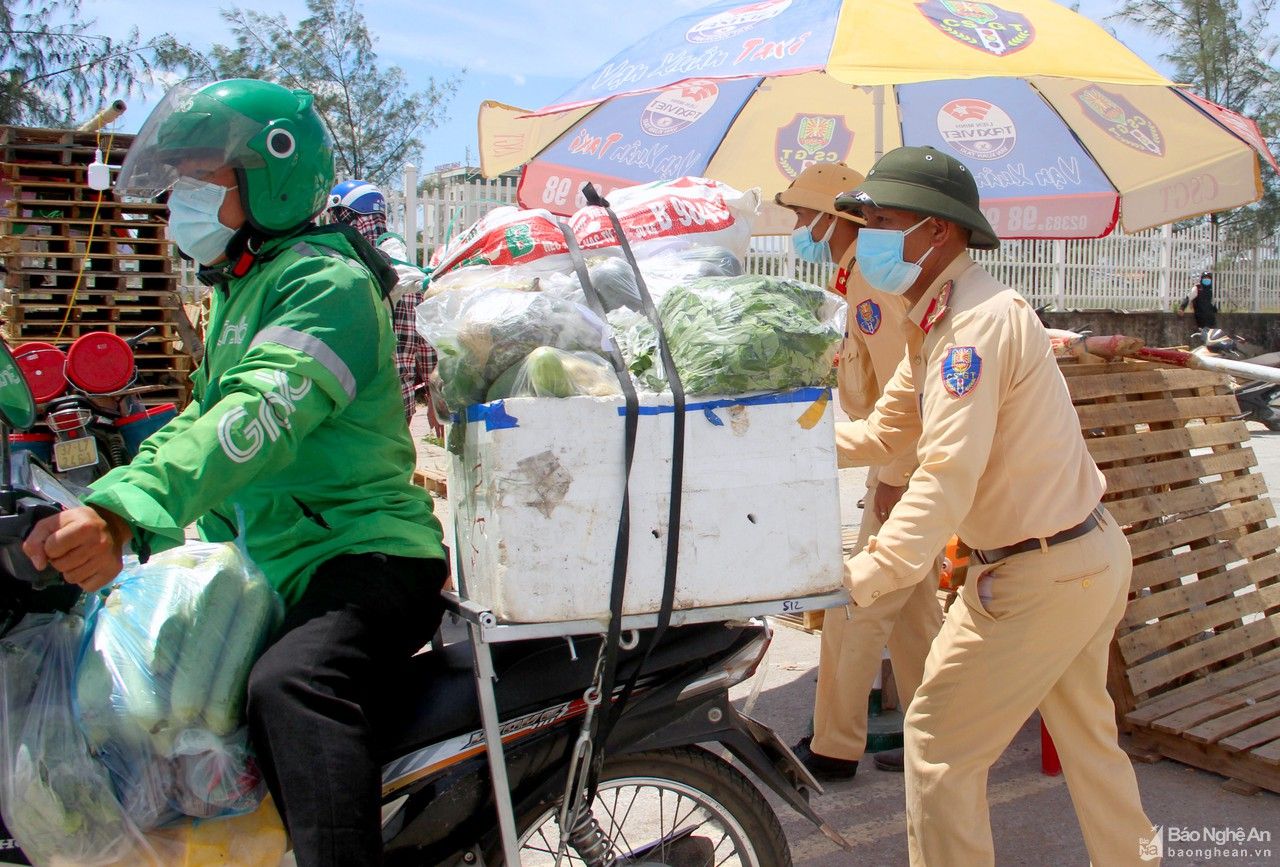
{"x":14,"y":529}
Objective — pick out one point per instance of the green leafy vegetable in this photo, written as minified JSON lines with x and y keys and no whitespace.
{"x":734,"y":335}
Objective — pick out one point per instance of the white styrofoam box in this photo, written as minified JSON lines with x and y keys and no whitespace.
{"x":537,"y":493}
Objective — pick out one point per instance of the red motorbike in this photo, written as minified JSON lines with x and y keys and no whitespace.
{"x":93,"y":419}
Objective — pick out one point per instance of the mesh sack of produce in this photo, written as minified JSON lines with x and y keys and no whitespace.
{"x":737,"y":335}
{"x":167,"y":662}
{"x":57,"y":799}
{"x":479,"y":335}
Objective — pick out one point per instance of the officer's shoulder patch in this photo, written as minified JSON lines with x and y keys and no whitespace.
{"x":961,"y":370}
{"x":867,"y":315}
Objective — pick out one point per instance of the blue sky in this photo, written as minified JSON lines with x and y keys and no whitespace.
{"x":522,"y":53}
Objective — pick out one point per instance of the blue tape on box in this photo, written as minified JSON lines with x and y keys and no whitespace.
{"x":494,"y":415}
{"x":708,"y":407}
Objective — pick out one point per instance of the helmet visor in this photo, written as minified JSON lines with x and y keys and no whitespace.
{"x":189,"y":132}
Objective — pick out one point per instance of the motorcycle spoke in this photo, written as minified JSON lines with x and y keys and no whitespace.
{"x":666,"y":819}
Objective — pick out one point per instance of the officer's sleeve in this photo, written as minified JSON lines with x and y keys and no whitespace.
{"x":960,"y":406}
{"x":294,"y":375}
{"x":889,"y":433}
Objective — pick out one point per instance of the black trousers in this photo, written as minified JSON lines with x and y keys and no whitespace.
{"x":318,"y":695}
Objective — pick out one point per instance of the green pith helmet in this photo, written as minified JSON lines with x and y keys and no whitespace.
{"x":924,"y":180}
{"x":271,"y":135}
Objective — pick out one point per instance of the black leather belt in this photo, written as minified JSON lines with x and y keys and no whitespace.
{"x":994,"y":555}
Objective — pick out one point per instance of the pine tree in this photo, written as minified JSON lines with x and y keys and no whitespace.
{"x":54,"y":69}
{"x":1225,"y":53}
{"x":376,"y":122}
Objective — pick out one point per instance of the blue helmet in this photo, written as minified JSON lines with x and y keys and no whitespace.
{"x":359,"y":196}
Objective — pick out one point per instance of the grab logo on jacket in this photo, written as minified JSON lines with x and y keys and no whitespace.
{"x":233,"y":334}
{"x":242,"y":435}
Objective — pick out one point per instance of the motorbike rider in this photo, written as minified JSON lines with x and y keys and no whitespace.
{"x":1201,"y":300}
{"x":361,"y":205}
{"x":294,"y":441}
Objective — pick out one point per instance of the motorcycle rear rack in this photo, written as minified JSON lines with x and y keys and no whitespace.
{"x":485,"y":628}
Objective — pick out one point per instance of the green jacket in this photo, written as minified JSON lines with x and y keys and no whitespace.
{"x":296,"y":424}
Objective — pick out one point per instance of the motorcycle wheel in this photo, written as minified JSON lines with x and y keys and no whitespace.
{"x":669,"y":808}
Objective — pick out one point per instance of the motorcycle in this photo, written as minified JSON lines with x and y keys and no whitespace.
{"x":662,"y":797}
{"x":1258,"y":399}
{"x":93,"y":419}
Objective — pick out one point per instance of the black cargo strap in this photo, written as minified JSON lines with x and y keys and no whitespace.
{"x":609,"y":649}
{"x":614,"y":710}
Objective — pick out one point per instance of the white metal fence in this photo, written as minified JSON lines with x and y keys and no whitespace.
{"x":1149,"y":270}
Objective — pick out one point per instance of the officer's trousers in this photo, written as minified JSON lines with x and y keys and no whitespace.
{"x":1041,"y":641}
{"x":853,"y":641}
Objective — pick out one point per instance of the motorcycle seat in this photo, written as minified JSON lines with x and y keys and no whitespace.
{"x":440,"y":701}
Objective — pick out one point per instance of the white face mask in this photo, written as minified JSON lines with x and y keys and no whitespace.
{"x":193,"y":220}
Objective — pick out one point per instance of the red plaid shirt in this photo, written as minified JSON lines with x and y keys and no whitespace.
{"x":415,"y":358}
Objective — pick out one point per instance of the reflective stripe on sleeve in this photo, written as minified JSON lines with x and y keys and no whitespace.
{"x":312,"y":346}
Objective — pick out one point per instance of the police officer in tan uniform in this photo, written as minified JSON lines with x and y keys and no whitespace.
{"x":853,"y":638}
{"x":1003,"y":463}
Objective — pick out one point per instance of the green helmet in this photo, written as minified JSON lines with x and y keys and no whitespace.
{"x":271,"y":135}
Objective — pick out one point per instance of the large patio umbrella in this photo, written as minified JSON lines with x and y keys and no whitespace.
{"x":1066,"y":131}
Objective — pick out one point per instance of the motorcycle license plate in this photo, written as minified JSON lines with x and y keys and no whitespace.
{"x":76,"y":453}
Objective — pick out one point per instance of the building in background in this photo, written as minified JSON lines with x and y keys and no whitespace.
{"x":455,"y":195}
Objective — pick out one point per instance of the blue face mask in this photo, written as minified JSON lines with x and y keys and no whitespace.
{"x":193,"y":220}
{"x":880,"y":259}
{"x":1206,"y":282}
{"x":810,"y":250}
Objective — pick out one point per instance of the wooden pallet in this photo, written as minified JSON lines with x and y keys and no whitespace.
{"x":78,"y":261}
{"x":1195,"y":667}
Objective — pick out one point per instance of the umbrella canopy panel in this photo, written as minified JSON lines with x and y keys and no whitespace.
{"x":1067,"y":132}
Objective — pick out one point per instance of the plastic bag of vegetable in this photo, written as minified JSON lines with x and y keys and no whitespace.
{"x":57,"y":800}
{"x":478,"y":335}
{"x":168,"y":661}
{"x":255,"y":839}
{"x":550,"y":372}
{"x":615,"y":280}
{"x":735,"y":335}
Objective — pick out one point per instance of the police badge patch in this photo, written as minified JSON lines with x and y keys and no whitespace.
{"x":867,"y":315}
{"x":983,"y":26}
{"x":1121,"y":119}
{"x":961,"y":369}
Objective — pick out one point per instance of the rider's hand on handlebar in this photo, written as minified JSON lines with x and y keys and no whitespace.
{"x":84,"y":544}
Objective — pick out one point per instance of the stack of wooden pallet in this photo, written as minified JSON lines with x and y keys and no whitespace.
{"x":79,"y":261}
{"x":1196,"y":663}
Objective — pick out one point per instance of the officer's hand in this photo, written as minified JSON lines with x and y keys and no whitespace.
{"x":886,"y":498}
{"x":84,"y":544}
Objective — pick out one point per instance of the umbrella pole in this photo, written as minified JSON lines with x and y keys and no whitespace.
{"x":877,"y":99}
